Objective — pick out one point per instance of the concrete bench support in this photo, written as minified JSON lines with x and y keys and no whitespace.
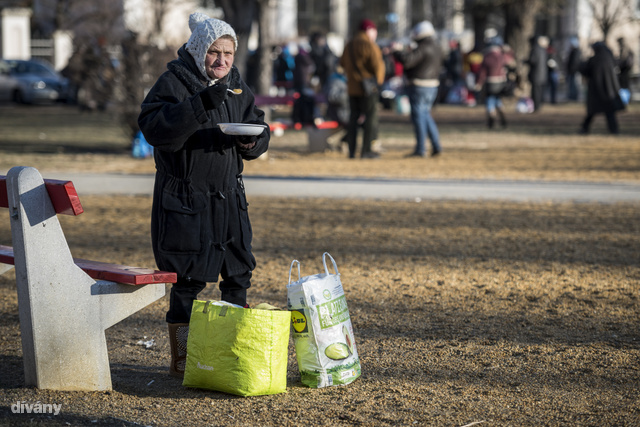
{"x":63,"y":311}
{"x":319,"y":138}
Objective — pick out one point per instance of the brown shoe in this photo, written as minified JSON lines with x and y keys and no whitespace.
{"x":178,"y":333}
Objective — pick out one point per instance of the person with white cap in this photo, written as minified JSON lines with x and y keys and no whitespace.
{"x":200,"y":226}
{"x":422,"y":66}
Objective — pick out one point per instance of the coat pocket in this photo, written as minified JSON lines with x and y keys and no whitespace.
{"x":182,"y":222}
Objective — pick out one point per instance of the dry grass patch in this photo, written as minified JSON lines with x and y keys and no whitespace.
{"x":508,"y":313}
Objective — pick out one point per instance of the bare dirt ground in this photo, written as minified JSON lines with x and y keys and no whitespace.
{"x":464,"y":312}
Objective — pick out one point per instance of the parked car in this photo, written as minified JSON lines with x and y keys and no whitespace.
{"x":31,"y":82}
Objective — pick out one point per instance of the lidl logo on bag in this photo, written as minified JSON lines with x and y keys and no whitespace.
{"x":205,"y":367}
{"x":299,"y":321}
{"x":326,"y":294}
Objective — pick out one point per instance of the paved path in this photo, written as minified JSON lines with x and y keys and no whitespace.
{"x":385,"y":189}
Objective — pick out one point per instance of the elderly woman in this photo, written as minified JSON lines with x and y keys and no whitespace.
{"x":199,"y":223}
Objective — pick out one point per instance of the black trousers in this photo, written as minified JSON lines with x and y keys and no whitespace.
{"x":612,"y":122}
{"x":537,"y":94}
{"x":186,"y":290}
{"x":366,"y":106}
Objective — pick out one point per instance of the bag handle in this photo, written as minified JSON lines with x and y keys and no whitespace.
{"x":291,"y":268}
{"x":223,"y":309}
{"x":324,"y":262}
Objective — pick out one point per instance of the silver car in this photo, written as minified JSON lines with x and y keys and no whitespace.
{"x":30,"y":82}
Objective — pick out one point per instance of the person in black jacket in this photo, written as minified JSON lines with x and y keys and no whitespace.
{"x":422,"y":67}
{"x":323,"y":58}
{"x":200,"y":225}
{"x":538,"y":69}
{"x":573,"y":69}
{"x":603,"y":87}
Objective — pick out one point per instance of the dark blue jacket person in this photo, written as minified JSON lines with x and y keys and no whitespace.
{"x":199,"y":223}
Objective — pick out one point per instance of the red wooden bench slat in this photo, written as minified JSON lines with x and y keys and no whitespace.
{"x":124,"y":273}
{"x":4,"y":198}
{"x":6,"y":255}
{"x":111,"y":272}
{"x":63,"y":196}
{"x":328,"y":125}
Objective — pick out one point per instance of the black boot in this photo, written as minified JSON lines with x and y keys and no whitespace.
{"x":178,"y":333}
{"x":503,"y":119}
{"x":490,"y":122}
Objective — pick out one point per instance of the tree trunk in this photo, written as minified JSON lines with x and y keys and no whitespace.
{"x":520,"y":19}
{"x":265,"y":73}
{"x":240,"y":15}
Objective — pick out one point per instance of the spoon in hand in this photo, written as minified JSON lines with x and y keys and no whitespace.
{"x":235,"y":91}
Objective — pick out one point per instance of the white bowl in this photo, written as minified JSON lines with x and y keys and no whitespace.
{"x":241,"y":128}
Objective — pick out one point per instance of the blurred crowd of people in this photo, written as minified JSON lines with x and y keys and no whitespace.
{"x":411,"y":77}
{"x":421,"y":74}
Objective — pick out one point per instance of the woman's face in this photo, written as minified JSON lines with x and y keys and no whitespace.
{"x":219,"y":58}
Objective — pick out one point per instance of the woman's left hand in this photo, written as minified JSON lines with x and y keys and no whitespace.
{"x":246,"y":142}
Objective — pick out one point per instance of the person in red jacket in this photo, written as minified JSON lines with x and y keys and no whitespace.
{"x":492,"y":79}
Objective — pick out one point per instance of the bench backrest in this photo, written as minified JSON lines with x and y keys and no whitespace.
{"x":63,"y":196}
{"x":64,"y":200}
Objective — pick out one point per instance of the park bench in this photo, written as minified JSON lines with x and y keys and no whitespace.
{"x":317,"y":135}
{"x":65,"y":304}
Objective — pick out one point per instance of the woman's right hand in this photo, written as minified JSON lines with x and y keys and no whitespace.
{"x":213,"y":96}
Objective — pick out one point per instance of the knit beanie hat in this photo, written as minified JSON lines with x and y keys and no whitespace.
{"x":367,"y":24}
{"x":205,"y":31}
{"x":423,"y":30}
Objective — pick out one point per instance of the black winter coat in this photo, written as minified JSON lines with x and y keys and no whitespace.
{"x":199,"y":216}
{"x":603,"y":86}
{"x":537,"y":65}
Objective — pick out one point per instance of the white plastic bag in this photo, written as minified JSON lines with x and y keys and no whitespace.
{"x":322,"y":331}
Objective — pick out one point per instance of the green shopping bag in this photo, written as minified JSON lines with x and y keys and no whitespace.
{"x":237,"y":350}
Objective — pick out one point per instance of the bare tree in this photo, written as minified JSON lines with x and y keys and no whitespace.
{"x":520,"y":18}
{"x":610,"y":14}
{"x":15,"y":3}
